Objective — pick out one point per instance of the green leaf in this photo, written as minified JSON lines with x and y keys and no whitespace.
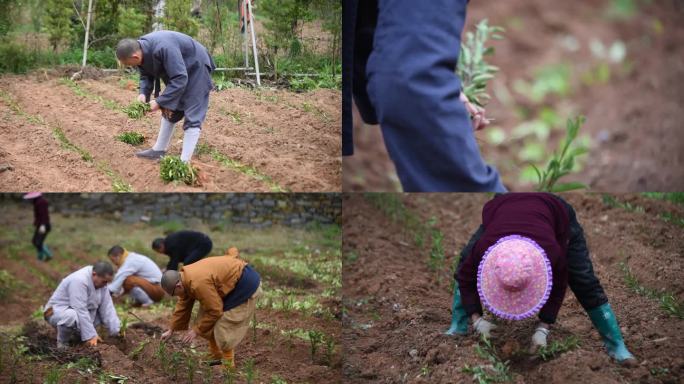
{"x":568,"y":187}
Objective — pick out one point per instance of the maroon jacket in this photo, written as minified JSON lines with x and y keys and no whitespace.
{"x":40,"y":212}
{"x":539,"y":216}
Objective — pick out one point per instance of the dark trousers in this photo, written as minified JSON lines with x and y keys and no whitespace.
{"x":581,"y":278}
{"x":412,"y":89}
{"x":39,"y":238}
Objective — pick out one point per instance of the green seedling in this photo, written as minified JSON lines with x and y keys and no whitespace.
{"x":275,"y":379}
{"x":191,"y":364}
{"x":230,"y":374}
{"x":161,"y":354}
{"x":437,"y":251}
{"x":315,"y":339}
{"x":561,"y":164}
{"x":250,"y":371}
{"x":124,"y":327}
{"x":172,"y":168}
{"x":132,"y":138}
{"x":8,"y":283}
{"x":473,"y":70}
{"x":329,"y":350}
{"x":175,"y":363}
{"x":134,"y":353}
{"x":497,"y":371}
{"x":556,"y":348}
{"x":668,"y":302}
{"x":254,"y":328}
{"x":136,"y":110}
{"x":54,"y":375}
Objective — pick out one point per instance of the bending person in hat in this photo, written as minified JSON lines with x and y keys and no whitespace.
{"x":183,"y":246}
{"x":519,"y":263}
{"x":80,"y":303}
{"x":41,"y":220}
{"x":226,"y":288}
{"x":136,"y":275}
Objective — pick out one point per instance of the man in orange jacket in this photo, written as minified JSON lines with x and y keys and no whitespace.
{"x":227,"y":289}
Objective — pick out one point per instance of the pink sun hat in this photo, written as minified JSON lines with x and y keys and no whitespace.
{"x":32,"y":195}
{"x":514,"y":278}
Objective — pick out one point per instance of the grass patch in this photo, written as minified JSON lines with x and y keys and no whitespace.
{"x":668,"y":301}
{"x":66,"y":144}
{"x":496,"y":371}
{"x":132,"y":138}
{"x":242,"y":168}
{"x":78,"y":90}
{"x":136,"y":110}
{"x":558,"y":347}
{"x":668,"y":217}
{"x":172,"y":168}
{"x":8,"y":284}
{"x":674,"y":197}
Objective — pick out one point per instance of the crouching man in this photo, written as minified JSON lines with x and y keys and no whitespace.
{"x":136,"y":275}
{"x":80,"y":303}
{"x":227,"y":289}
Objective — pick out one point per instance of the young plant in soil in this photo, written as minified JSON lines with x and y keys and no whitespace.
{"x":250,"y":371}
{"x":134,"y":353}
{"x":561,"y":164}
{"x":132,"y":138}
{"x":315,"y":338}
{"x":172,"y":168}
{"x":136,"y":110}
{"x":556,"y":348}
{"x":329,"y":350}
{"x":497,"y":371}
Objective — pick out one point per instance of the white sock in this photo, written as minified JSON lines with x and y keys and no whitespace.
{"x":190,"y":138}
{"x":165,"y":134}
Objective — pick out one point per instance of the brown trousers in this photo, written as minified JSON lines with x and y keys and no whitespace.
{"x":154,"y":291}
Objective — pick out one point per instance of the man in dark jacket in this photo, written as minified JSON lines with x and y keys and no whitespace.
{"x":41,"y":220}
{"x":552,"y":223}
{"x":400,"y":59}
{"x":185,"y":66}
{"x":183,"y":246}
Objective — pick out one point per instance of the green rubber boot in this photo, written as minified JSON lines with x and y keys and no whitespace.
{"x":459,"y":319}
{"x":40,"y":255}
{"x":47,"y":253}
{"x":605,"y":322}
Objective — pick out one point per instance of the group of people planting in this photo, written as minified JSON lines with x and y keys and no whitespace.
{"x":225,"y":286}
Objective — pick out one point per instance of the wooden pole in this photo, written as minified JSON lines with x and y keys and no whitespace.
{"x":87,"y":33}
{"x":254,"y":46}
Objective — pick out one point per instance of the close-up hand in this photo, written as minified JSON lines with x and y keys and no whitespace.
{"x":93,"y":342}
{"x":189,"y":336}
{"x":538,"y":339}
{"x":41,"y":229}
{"x":142,"y":98}
{"x":477,"y":113}
{"x":154,"y":106}
{"x":166,"y":334}
{"x":484,"y":327}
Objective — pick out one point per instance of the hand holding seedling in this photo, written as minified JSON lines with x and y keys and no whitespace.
{"x":539,"y":338}
{"x":142,"y":98}
{"x":482,"y":326}
{"x":189,"y":336}
{"x":93,"y":342}
{"x":154,"y":106}
{"x":477,"y":113}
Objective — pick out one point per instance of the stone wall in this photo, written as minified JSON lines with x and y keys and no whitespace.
{"x":250,"y":209}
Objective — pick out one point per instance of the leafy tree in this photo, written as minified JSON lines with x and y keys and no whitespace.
{"x":177,"y":17}
{"x":57,"y":22}
{"x":132,"y":23}
{"x":285,"y":18}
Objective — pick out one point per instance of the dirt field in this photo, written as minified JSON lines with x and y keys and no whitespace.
{"x":397,"y":308}
{"x":301,"y":277}
{"x":633,"y":117}
{"x":252,"y":140}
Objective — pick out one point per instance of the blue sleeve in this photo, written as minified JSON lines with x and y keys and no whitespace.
{"x":146,"y":85}
{"x":174,"y":66}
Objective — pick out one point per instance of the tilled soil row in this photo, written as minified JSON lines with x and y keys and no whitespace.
{"x":91,"y":126}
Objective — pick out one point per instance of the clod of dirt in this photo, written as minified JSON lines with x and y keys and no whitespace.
{"x":510,"y":348}
{"x":439,"y":355}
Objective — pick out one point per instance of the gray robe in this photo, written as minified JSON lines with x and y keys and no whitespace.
{"x":185,"y":66}
{"x":77,"y":303}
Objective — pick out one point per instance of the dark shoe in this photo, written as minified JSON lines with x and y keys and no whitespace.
{"x":151,"y":154}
